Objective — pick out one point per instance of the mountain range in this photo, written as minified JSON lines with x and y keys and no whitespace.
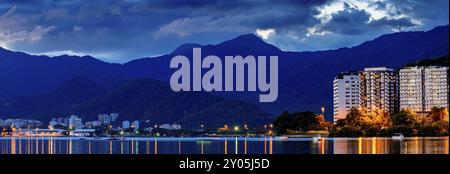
{"x":44,"y":87}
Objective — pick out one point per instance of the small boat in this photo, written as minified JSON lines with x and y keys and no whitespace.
{"x":112,"y":139}
{"x":317,"y":137}
{"x":281,"y":138}
{"x":398,"y":136}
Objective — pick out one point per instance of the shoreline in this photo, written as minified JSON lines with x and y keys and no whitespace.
{"x":276,"y":138}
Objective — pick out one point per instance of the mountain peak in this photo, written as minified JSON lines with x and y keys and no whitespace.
{"x":249,"y":37}
{"x":248,"y":44}
{"x":187,"y":47}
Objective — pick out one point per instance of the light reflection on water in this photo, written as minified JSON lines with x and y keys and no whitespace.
{"x":231,"y":145}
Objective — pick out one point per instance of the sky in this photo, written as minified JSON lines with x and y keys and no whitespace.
{"x":120,"y":31}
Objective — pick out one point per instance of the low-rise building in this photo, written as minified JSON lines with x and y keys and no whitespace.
{"x":135,"y":124}
{"x":92,"y":124}
{"x":75,"y":122}
{"x":38,"y":132}
{"x":108,"y":119}
{"x":125,"y":124}
{"x":82,"y":132}
{"x":23,"y":123}
{"x":170,"y":126}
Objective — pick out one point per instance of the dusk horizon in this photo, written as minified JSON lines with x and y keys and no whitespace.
{"x":234,"y":37}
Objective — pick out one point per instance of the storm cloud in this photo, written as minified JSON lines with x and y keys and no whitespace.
{"x":119,"y":31}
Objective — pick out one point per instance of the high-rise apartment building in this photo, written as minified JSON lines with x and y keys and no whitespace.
{"x":416,"y":88}
{"x":412,"y":88}
{"x":436,"y":87}
{"x":422,"y":88}
{"x":345,"y":94}
{"x":378,"y":89}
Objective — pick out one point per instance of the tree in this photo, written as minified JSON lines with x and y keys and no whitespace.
{"x":372,"y":132}
{"x":282,"y":123}
{"x":438,"y":114}
{"x":129,"y":130}
{"x":405,"y":130}
{"x":404,"y":117}
{"x":441,"y":126}
{"x":322,"y":123}
{"x":354,"y":117}
{"x":347,"y":131}
{"x":301,"y":121}
{"x":378,"y":118}
{"x":305,"y":121}
{"x":340,"y":123}
{"x":428,"y":131}
{"x":59,"y":126}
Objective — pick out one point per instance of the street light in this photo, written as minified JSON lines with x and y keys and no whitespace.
{"x":323,"y":110}
{"x":270,"y":133}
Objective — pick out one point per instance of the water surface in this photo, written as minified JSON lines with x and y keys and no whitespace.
{"x":231,"y":145}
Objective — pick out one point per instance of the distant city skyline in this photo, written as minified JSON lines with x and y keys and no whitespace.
{"x":119,"y":31}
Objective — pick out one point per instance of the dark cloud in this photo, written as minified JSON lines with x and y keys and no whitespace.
{"x":120,"y":30}
{"x":301,"y":3}
{"x":401,"y":22}
{"x":351,"y":21}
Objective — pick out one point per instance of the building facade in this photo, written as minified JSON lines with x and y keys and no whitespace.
{"x":346,"y":94}
{"x":125,"y":124}
{"x":75,"y":122}
{"x":436,"y":87}
{"x":378,"y":89}
{"x":416,"y":88}
{"x":412,"y":88}
{"x":135,"y":124}
{"x":108,"y":119}
{"x":422,"y":88}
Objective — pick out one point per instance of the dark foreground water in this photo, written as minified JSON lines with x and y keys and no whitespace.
{"x":68,"y":145}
